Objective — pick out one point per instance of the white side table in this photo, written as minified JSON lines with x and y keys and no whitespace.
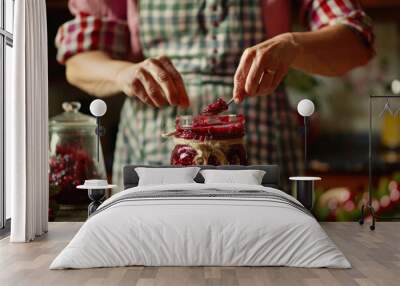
{"x":96,"y":192}
{"x":305,"y":190}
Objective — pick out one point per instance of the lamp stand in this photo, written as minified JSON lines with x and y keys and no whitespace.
{"x":99,"y":132}
{"x":98,"y":138}
{"x":368,"y":207}
{"x":96,"y":196}
{"x":306,"y":123}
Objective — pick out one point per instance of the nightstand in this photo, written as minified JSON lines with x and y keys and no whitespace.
{"x":305,"y":190}
{"x":96,"y":192}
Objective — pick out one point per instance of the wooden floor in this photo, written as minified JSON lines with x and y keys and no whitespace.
{"x":375,"y":257}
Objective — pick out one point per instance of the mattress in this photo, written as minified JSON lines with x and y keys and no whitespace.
{"x":201,"y":225}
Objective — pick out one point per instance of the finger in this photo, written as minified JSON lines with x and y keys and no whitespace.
{"x":164,"y":79}
{"x":183,"y":99}
{"x":280,"y":74}
{"x":139,"y":91}
{"x":153,"y":89}
{"x":127,"y":89}
{"x":241,"y":73}
{"x":277,"y":77}
{"x":254,"y":77}
{"x":265,"y":85}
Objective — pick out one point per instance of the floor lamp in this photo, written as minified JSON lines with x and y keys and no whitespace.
{"x":305,"y":184}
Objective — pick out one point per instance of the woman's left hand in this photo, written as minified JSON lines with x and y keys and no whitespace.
{"x":262,"y":67}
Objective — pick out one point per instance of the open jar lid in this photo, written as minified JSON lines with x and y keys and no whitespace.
{"x":71,"y":118}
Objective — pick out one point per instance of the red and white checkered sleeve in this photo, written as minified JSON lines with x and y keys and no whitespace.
{"x":321,"y":13}
{"x":88,"y":33}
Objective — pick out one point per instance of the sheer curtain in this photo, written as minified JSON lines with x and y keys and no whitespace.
{"x":26,"y":124}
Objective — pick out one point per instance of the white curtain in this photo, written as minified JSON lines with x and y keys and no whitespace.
{"x":26,"y":124}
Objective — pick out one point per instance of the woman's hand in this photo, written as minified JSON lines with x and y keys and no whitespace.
{"x":154,"y":81}
{"x":263,"y":66}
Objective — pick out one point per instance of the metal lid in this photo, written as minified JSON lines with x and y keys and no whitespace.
{"x":71,"y":118}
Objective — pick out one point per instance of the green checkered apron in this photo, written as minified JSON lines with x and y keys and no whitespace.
{"x":204,"y":39}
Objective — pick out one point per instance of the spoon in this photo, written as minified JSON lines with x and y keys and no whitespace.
{"x":229,"y":102}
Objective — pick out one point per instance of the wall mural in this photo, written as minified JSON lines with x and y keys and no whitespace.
{"x":337,"y":145}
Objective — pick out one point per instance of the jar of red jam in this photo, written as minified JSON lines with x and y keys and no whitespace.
{"x":209,"y":140}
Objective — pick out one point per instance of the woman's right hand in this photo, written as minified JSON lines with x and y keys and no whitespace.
{"x":154,"y":81}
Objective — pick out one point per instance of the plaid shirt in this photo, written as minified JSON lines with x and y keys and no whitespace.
{"x":114,"y":28}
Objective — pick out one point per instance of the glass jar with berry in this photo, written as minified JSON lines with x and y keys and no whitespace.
{"x":209,"y":139}
{"x":73,"y":155}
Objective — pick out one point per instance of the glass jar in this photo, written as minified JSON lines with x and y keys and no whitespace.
{"x":209,"y":140}
{"x":73,"y":154}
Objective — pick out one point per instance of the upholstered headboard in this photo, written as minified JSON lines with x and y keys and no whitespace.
{"x":271,"y":177}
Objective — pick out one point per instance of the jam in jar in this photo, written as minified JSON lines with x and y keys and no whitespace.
{"x":209,"y":140}
{"x":215,"y":108}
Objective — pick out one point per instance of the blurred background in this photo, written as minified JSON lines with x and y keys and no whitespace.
{"x":339,"y":129}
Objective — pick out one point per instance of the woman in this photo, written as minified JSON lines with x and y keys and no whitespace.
{"x":174,"y":57}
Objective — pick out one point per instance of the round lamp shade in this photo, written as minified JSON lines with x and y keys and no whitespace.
{"x":396,"y":86}
{"x":98,"y":107}
{"x":305,"y":107}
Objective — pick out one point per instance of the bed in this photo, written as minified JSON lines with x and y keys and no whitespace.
{"x":197,"y":224}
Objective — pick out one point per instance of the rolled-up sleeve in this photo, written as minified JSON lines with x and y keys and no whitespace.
{"x":321,"y":13}
{"x":92,"y":31}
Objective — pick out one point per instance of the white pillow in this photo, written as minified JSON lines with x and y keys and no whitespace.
{"x":248,"y":177}
{"x":166,"y":176}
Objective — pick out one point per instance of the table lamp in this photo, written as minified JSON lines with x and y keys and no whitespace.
{"x":98,"y":108}
{"x":96,"y":188}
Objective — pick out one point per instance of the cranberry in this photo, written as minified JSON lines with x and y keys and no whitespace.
{"x":183,"y":155}
{"x":70,"y":166}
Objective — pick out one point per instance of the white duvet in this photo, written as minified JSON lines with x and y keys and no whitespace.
{"x":200,"y":231}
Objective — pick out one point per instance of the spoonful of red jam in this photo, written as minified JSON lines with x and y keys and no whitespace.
{"x":216,"y":107}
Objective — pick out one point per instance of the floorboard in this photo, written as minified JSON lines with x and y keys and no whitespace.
{"x":375,"y":257}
